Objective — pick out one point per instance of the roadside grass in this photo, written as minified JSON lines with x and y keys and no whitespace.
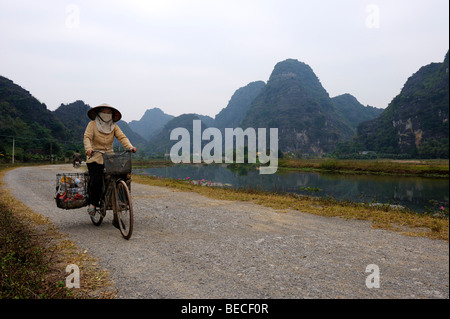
{"x":34,"y":256}
{"x":426,"y":168}
{"x":384,"y":217}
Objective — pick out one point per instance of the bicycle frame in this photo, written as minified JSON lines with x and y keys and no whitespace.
{"x":115,"y":196}
{"x":109,"y":191}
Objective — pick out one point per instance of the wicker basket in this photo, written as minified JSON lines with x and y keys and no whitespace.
{"x":117,"y":164}
{"x":71,"y":190}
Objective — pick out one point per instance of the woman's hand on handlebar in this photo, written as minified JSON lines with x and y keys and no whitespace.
{"x":90,"y":152}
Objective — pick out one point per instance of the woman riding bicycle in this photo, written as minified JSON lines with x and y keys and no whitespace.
{"x":99,"y":135}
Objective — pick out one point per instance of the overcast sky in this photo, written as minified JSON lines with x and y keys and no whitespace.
{"x":191,"y":56}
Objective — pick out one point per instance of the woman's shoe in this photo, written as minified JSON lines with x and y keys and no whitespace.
{"x":91,"y":211}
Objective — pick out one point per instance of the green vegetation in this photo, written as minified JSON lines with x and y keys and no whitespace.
{"x":295,"y":102}
{"x":239,"y":104}
{"x":22,"y":261}
{"x":416,"y":122}
{"x":428,"y":168}
{"x":35,"y":131}
{"x":354,"y":112}
{"x":311,"y":190}
{"x":434,"y":148}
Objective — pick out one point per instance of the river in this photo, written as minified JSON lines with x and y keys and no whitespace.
{"x":416,"y":193}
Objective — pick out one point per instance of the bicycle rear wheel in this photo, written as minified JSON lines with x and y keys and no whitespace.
{"x":124,"y":209}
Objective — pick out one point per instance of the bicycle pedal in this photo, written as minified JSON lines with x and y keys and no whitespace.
{"x":99,"y":211}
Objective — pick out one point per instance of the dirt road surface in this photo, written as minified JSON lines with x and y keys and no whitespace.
{"x":185,"y":245}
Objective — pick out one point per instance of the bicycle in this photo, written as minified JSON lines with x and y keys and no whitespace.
{"x":76,"y":164}
{"x":116,"y":192}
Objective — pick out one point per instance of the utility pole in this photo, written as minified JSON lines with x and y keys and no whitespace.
{"x":13,"y":151}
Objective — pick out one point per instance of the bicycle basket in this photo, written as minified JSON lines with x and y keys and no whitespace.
{"x":116,"y":164}
{"x":71,"y":190}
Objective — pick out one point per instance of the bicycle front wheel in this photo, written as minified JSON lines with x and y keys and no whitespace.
{"x":124,"y":209}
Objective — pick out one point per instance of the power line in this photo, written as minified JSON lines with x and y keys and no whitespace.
{"x":42,"y":139}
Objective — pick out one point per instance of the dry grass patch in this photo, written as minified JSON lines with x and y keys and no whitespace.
{"x":34,"y":256}
{"x":385,"y":217}
{"x":432,"y":168}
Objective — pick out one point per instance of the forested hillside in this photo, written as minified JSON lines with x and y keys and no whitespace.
{"x":416,"y":121}
{"x":415,"y":124}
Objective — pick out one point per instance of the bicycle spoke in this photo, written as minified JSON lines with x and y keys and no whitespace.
{"x":99,"y":214}
{"x":124,"y":210}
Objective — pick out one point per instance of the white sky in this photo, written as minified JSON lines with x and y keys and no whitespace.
{"x":191,"y":56}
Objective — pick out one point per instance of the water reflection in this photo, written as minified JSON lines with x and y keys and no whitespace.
{"x":412,"y":192}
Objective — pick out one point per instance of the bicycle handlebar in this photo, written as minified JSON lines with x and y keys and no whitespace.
{"x":101,"y":152}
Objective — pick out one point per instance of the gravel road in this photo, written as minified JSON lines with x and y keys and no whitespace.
{"x":185,"y":245}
